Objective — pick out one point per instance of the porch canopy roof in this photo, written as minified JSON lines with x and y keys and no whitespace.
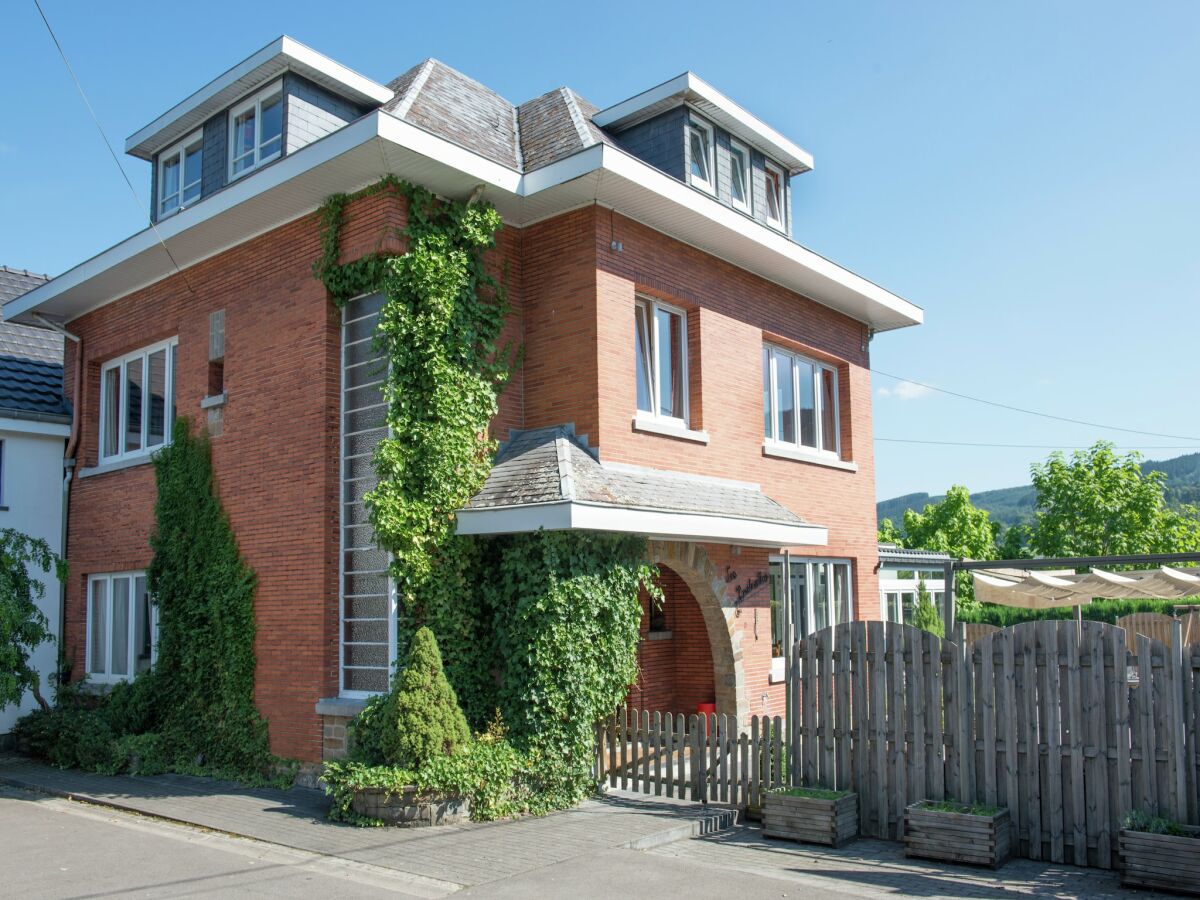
{"x":549,"y":478}
{"x":1043,"y":590}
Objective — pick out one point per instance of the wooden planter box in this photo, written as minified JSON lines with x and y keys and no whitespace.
{"x":410,"y":807}
{"x":810,"y":819}
{"x":958,"y":837}
{"x":1163,"y":861}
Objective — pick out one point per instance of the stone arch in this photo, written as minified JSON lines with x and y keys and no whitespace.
{"x":691,"y":563}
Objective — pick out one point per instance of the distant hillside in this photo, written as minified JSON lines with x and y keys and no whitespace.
{"x":1015,"y":504}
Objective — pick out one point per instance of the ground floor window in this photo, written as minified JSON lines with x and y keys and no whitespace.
{"x":821,"y":596}
{"x":122,"y":626}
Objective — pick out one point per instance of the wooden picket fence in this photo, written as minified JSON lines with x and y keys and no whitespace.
{"x":708,"y":759}
{"x":1069,"y":726}
{"x":1059,"y":722}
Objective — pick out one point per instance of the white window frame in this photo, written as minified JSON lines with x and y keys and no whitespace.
{"x":655,"y":389}
{"x":255,"y":102}
{"x":178,"y":152}
{"x":107,"y":676}
{"x":890,"y":582}
{"x":709,"y":186}
{"x":170,"y":346}
{"x":781,"y":222}
{"x":772,"y":439}
{"x":736,"y":146}
{"x":809,"y":585}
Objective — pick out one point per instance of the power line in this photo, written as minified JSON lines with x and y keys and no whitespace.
{"x":1030,"y":446}
{"x":117,"y":162}
{"x":1033,"y":412}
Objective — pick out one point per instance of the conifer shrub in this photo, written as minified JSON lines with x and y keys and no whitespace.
{"x":925,"y":615}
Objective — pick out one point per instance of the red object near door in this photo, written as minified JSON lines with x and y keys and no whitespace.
{"x":706,"y":710}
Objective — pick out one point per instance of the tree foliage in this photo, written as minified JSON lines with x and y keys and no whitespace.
{"x":23,"y":625}
{"x":1097,"y":503}
{"x":925,"y":615}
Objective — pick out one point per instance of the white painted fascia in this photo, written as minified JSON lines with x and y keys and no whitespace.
{"x":574,"y":515}
{"x":280,"y":55}
{"x":457,"y":157}
{"x":32,"y":426}
{"x":732,"y":116}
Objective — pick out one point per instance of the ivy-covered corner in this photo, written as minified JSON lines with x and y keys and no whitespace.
{"x":538,"y":632}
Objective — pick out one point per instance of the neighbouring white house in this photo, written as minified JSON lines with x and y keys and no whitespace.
{"x":35,"y":423}
{"x":900,"y":574}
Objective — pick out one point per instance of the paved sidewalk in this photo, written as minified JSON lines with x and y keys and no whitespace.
{"x":877,"y":869}
{"x":452,"y":856}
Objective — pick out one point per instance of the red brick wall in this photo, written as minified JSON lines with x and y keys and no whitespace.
{"x":674,"y":674}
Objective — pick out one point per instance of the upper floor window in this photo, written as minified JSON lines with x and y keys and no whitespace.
{"x":179,"y":175}
{"x":122,"y":627}
{"x":739,"y":176}
{"x":775,"y":199}
{"x":136,"y":402}
{"x":256,"y":130}
{"x":700,"y":154}
{"x":800,"y":402}
{"x":661,"y":360}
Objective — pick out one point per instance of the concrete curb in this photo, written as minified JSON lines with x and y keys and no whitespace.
{"x":715,"y":820}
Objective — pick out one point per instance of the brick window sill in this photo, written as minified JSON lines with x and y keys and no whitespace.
{"x":817,"y":459}
{"x":651,"y":425}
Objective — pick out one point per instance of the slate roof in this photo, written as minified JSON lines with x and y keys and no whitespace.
{"x":892,"y":553}
{"x":30,"y":388}
{"x":553,"y":465}
{"x":31,"y":369}
{"x":445,"y":102}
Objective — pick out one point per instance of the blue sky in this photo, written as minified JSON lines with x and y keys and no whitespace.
{"x":1025,"y":171}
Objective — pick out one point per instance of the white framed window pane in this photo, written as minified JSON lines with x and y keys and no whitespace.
{"x":133,"y":405}
{"x":841,"y":592}
{"x":829,"y":417}
{"x":169,"y":187}
{"x":800,"y":597}
{"x":112,"y":411}
{"x":808,"y":404}
{"x":699,"y":153}
{"x":670,"y":362}
{"x":642,"y":336}
{"x":243,"y":141}
{"x":737,"y":177}
{"x":785,"y":399}
{"x":774,"y":197}
{"x":192,"y":173}
{"x":766,"y":358}
{"x":98,"y":639}
{"x":157,"y":407}
{"x":271,"y":139}
{"x":120,"y":627}
{"x":777,"y":601}
{"x":143,"y":626}
{"x":822,"y":614}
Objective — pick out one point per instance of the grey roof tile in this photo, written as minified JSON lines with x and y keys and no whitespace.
{"x":15,"y":282}
{"x":550,"y":465}
{"x":32,"y":386}
{"x":26,"y":341}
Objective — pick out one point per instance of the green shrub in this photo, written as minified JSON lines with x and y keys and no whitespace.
{"x":1137,"y":820}
{"x":925,"y":616}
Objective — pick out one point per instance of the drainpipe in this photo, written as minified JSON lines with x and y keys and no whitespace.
{"x":68,"y":463}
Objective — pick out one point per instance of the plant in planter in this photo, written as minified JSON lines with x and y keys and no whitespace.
{"x":957,"y":832}
{"x":1159,"y":853}
{"x":813,"y":815}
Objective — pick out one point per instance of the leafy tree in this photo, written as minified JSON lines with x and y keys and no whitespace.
{"x":926,"y":616}
{"x":1097,"y":503}
{"x":890,"y":534}
{"x":23,"y":626}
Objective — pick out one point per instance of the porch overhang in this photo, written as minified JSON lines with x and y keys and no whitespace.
{"x":656,"y":524}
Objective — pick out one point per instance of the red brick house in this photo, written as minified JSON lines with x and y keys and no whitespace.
{"x":690,"y":372}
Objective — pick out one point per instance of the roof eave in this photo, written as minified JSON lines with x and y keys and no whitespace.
{"x":281,"y":55}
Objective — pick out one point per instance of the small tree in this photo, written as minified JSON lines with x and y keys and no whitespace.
{"x":926,"y":616}
{"x":420,"y":719}
{"x":23,"y":626}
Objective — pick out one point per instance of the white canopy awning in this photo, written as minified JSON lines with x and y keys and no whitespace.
{"x":1043,"y":590}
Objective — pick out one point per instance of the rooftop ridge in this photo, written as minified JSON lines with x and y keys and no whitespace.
{"x":585,"y":135}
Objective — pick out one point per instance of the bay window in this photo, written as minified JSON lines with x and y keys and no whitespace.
{"x":122,"y":627}
{"x":136,"y":402}
{"x":821,"y":596}
{"x":700,"y":156}
{"x":800,"y":403}
{"x":661,"y":352}
{"x":256,"y":131}
{"x":179,"y":175}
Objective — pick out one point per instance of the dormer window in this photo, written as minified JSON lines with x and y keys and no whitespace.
{"x":774,"y":195}
{"x":179,"y":175}
{"x":700,"y":154}
{"x":739,"y":176}
{"x":256,"y":131}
